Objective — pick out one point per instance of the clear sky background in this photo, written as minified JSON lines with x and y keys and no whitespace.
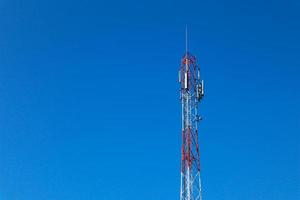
{"x":89,"y":98}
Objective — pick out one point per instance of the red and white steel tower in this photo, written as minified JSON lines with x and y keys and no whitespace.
{"x":191,"y":92}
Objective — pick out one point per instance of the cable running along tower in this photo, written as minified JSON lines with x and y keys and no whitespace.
{"x":191,"y":92}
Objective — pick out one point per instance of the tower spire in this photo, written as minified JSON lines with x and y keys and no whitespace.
{"x":186,"y":39}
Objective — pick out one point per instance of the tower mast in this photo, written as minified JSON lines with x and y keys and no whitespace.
{"x":191,"y":92}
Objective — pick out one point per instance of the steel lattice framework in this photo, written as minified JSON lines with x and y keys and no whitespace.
{"x":191,"y":92}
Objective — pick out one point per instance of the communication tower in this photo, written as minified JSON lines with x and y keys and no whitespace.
{"x":191,"y":93}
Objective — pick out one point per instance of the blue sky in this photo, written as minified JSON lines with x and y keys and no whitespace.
{"x":89,"y":104}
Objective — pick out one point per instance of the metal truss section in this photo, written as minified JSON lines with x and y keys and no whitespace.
{"x":191,"y":93}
